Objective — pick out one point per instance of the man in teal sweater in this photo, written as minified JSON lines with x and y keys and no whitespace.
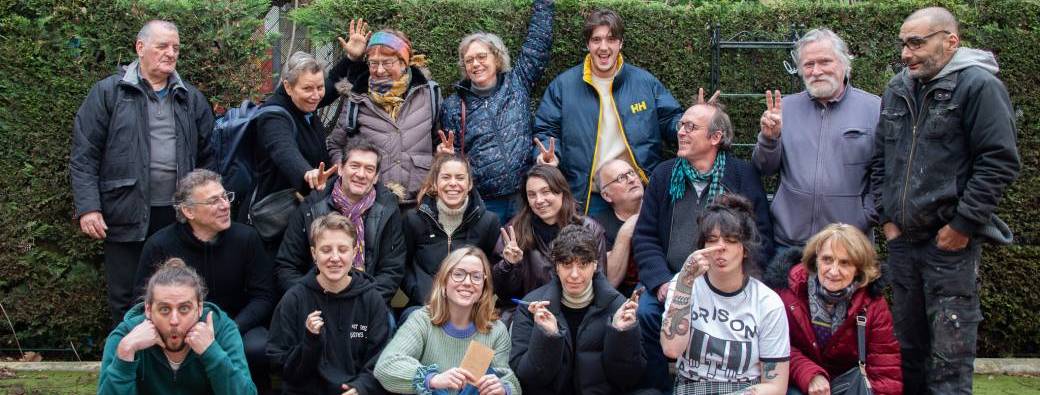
{"x":165,"y":346}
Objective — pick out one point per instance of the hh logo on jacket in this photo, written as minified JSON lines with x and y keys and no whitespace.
{"x":637,"y":107}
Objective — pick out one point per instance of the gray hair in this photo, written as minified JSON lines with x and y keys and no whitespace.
{"x":720,"y":123}
{"x":174,"y":271}
{"x":841,"y":50}
{"x":301,"y":62}
{"x":187,"y":185}
{"x":149,"y":27}
{"x":494,"y":42}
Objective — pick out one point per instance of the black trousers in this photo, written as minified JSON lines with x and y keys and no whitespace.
{"x":121,"y":259}
{"x":936,"y":314}
{"x":254,"y":342}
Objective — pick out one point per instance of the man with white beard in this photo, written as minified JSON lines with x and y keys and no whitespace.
{"x":821,"y":141}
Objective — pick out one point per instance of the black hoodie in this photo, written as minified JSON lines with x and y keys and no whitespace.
{"x":355,"y":332}
{"x":234,"y":265}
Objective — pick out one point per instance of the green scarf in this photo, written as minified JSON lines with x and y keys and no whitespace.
{"x":684,"y":173}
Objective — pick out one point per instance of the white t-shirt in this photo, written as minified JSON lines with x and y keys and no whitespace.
{"x":732,"y":333}
{"x":611,"y":144}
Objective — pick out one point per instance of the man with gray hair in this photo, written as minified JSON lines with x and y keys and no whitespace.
{"x":666,"y":231}
{"x":135,"y":134}
{"x":229,"y":256}
{"x":820,"y":140}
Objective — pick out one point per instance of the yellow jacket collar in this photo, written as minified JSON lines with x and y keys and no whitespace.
{"x":587,"y":72}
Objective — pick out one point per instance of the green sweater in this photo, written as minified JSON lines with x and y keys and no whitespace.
{"x":419,"y":344}
{"x":221,"y":370}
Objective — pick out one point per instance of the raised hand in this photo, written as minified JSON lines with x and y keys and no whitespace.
{"x":548,"y":156}
{"x":771,"y":120}
{"x":447,"y":145}
{"x":697,"y":263}
{"x":490,"y":384}
{"x":314,"y":322}
{"x":543,"y":317}
{"x":358,"y":36}
{"x":714,"y":97}
{"x":316,"y":178}
{"x":451,"y":379}
{"x":93,"y":224}
{"x":625,"y":316}
{"x":201,"y":335}
{"x":511,"y":251}
{"x":143,"y":336}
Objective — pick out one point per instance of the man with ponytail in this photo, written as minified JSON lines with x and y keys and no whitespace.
{"x":174,"y":343}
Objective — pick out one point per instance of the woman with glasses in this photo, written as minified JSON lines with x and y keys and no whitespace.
{"x":389,"y":98}
{"x":489,"y":114}
{"x":450,"y":215}
{"x":577,"y":335}
{"x":424,"y":356}
{"x":548,"y":206}
{"x":328,"y":330}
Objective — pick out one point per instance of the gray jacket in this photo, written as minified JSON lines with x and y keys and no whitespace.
{"x":823,"y":157}
{"x":947,"y":157}
{"x":108,"y":165}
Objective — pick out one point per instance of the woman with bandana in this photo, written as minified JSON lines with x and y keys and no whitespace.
{"x":390,"y":99}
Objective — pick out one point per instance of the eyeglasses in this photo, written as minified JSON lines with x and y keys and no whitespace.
{"x":623,"y":177}
{"x":226,"y":197}
{"x":459,"y":275}
{"x":916,"y":42}
{"x":387,"y":64}
{"x":480,"y":57}
{"x":688,"y":127}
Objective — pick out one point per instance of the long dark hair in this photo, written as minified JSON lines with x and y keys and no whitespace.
{"x":733,"y":215}
{"x":568,"y":214}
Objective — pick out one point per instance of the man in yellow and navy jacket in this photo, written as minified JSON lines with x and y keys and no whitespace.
{"x":603,"y":110}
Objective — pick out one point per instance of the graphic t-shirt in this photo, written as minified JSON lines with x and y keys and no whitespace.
{"x":732,"y":332}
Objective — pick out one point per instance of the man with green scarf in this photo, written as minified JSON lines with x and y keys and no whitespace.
{"x":679,"y":188}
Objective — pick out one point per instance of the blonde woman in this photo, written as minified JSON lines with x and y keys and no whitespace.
{"x":424,"y":355}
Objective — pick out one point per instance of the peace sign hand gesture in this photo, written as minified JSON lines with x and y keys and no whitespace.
{"x":548,"y":156}
{"x":358,"y":35}
{"x":511,"y":251}
{"x":772,"y":120}
{"x":316,"y":178}
{"x":714,"y":97}
{"x":447,"y":145}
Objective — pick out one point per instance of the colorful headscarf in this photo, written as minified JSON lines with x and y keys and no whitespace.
{"x":398,"y":44}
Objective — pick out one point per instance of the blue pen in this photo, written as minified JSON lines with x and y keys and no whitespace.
{"x":521,"y":302}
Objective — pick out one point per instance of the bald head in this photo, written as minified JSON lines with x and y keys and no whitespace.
{"x":938,"y":18}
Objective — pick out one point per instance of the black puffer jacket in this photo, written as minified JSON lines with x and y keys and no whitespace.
{"x":428,"y":243}
{"x":384,"y":243}
{"x":347,"y":347}
{"x":949,"y":158}
{"x":604,"y":360}
{"x":108,"y":165}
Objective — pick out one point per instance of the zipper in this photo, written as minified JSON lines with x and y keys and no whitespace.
{"x":909,"y":159}
{"x":816,"y":173}
{"x":465,"y":220}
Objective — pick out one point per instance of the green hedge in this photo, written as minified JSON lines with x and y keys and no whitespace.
{"x":50,"y":275}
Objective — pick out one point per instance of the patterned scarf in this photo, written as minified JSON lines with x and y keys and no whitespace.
{"x":389,"y":94}
{"x":828,"y":309}
{"x":684,"y":173}
{"x":355,"y":213}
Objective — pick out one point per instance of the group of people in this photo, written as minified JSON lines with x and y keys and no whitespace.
{"x":557,"y":250}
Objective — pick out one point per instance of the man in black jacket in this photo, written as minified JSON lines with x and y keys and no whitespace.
{"x":229,"y":256}
{"x":944,"y":154}
{"x":134,"y":136}
{"x":371,"y":208}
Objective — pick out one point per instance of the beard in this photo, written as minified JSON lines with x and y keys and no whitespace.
{"x":828,"y":90}
{"x":173,"y":347}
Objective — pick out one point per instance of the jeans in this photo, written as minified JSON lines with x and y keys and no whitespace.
{"x":121,"y":259}
{"x":936,"y":314}
{"x":649,"y":315}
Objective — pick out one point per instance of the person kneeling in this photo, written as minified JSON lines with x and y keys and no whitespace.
{"x":595,"y":348}
{"x":174,"y":343}
{"x":328,"y":329}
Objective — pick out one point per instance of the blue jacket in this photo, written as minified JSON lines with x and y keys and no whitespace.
{"x":647,"y":111}
{"x":650,"y":239}
{"x":498,"y":127}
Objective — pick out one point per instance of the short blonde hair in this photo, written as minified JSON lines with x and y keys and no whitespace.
{"x":857,"y":245}
{"x":483,"y":313}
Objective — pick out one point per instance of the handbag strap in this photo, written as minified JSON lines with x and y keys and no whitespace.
{"x":861,"y":336}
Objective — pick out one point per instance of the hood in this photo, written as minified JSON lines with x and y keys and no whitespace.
{"x":185,"y":234}
{"x":787,"y":272}
{"x":968,"y":57}
{"x":345,"y":87}
{"x":360,"y":282}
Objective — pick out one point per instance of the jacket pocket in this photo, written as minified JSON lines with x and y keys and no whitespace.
{"x":944,"y":121}
{"x":121,"y":203}
{"x":857,"y":146}
{"x":421,"y":164}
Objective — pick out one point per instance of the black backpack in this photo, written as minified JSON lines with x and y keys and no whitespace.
{"x":233,"y":140}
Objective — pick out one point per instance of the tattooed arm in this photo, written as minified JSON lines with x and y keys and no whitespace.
{"x":675,"y":328}
{"x":774,"y":380}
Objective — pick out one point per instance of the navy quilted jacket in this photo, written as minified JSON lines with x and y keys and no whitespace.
{"x":498,"y":136}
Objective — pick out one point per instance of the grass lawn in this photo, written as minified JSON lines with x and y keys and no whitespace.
{"x":77,"y":383}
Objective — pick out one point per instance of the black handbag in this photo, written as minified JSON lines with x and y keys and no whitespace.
{"x":270,"y":216}
{"x":854,"y":381}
